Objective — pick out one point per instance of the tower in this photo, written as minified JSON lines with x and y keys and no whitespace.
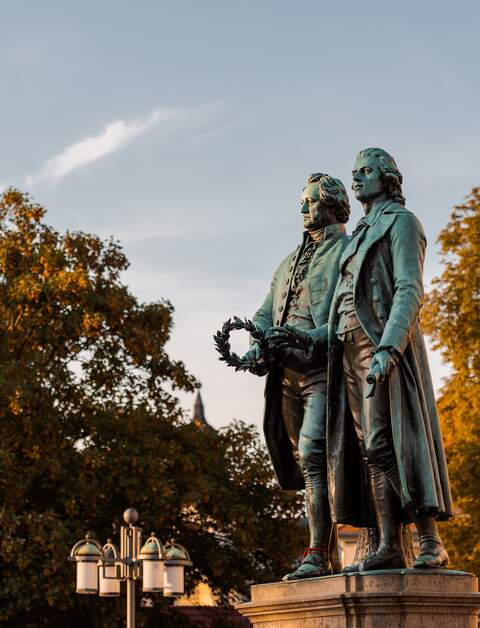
{"x":199,"y":419}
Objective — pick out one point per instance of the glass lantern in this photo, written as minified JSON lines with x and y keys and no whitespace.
{"x":108,"y":567}
{"x":151,"y":556}
{"x":86,"y":554}
{"x":176,"y":559}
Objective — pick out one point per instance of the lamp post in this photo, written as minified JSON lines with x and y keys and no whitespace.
{"x":103,"y":569}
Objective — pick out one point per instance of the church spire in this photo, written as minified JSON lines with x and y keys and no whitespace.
{"x":199,"y":411}
{"x":199,"y":419}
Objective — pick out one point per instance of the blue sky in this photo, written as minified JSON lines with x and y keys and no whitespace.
{"x":187,"y":129}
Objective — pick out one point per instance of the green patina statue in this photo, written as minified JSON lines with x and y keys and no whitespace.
{"x":389,"y":436}
{"x":350,"y":413}
{"x":295,"y":309}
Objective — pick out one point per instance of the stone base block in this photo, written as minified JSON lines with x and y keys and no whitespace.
{"x":399,"y":598}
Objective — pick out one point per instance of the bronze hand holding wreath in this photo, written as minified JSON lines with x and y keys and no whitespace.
{"x":256,"y":361}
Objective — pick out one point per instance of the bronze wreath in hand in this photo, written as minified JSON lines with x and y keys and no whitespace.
{"x":248,"y":362}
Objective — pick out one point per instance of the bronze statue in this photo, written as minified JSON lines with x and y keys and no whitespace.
{"x":293,"y":320}
{"x":385,"y":428}
{"x":363,"y":440}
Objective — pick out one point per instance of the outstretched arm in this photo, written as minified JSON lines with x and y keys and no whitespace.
{"x":263,"y":318}
{"x":263,"y":321}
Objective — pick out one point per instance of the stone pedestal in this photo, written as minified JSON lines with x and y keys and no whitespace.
{"x":400,"y":598}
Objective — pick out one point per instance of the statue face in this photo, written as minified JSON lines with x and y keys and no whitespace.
{"x":367,"y":184}
{"x":313,"y":211}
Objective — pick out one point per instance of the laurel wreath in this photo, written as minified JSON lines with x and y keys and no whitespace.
{"x":222,"y":345}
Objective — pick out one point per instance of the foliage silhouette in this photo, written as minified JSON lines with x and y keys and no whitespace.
{"x":452,"y":318}
{"x":90,"y":425}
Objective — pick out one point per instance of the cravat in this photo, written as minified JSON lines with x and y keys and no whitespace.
{"x":318,"y":235}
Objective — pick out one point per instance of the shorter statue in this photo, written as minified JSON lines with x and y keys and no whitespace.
{"x":293,"y":349}
{"x":379,"y":361}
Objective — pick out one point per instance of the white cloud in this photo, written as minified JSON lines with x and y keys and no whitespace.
{"x":115,"y":135}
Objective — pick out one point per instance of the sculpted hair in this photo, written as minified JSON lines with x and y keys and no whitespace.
{"x":390,"y":175}
{"x":332,"y":193}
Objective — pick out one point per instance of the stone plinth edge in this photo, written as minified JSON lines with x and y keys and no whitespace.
{"x":403,"y":598}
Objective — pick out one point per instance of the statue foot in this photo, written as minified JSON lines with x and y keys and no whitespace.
{"x":314,"y":564}
{"x":383,"y":558}
{"x":432,"y":554}
{"x":353,"y":568}
{"x":356,"y":567}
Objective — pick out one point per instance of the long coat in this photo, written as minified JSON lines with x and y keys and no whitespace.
{"x":321,"y":278}
{"x":388,"y":294}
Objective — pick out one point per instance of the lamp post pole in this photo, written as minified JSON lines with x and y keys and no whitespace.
{"x":102,"y":569}
{"x":130,"y":603}
{"x":130,"y":543}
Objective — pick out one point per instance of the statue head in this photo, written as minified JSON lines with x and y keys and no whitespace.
{"x":376,"y":174}
{"x":324,"y":201}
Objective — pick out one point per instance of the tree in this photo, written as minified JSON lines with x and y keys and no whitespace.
{"x":89,"y":425}
{"x":452,"y":318}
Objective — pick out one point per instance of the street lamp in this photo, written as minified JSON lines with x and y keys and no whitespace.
{"x":109,"y":571}
{"x":102,"y":569}
{"x":152,"y":557}
{"x":176,"y":559}
{"x":86,"y":553}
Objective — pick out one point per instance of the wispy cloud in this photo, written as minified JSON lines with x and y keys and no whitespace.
{"x":114,"y":136}
{"x":211,"y":134}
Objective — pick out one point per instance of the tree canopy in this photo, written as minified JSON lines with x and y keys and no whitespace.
{"x":89,"y":425}
{"x":452,"y":318}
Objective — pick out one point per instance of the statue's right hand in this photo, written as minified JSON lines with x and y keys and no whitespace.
{"x":254,"y":355}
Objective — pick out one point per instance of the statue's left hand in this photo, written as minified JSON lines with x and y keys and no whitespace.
{"x":282,"y":338}
{"x":383,"y":361}
{"x":277,"y":338}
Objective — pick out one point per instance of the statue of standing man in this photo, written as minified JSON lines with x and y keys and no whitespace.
{"x":374,"y":329}
{"x":294,"y":317}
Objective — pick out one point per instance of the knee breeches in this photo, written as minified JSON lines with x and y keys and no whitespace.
{"x":371,"y":416}
{"x":304,"y":415}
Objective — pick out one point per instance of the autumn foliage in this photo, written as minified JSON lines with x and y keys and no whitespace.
{"x":89,"y":425}
{"x":452,"y":318}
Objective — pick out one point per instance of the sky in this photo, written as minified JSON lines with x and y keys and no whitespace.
{"x":186,"y":130}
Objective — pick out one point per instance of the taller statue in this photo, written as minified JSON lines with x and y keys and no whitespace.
{"x":293,"y":318}
{"x":374,"y":330}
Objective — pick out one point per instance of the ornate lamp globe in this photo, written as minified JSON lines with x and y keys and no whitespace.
{"x":151,"y":556}
{"x":176,"y":559}
{"x":108,"y":577}
{"x":86,"y":554}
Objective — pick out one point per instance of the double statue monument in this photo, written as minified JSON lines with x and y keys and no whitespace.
{"x":341,"y":309}
{"x":350,"y":413}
